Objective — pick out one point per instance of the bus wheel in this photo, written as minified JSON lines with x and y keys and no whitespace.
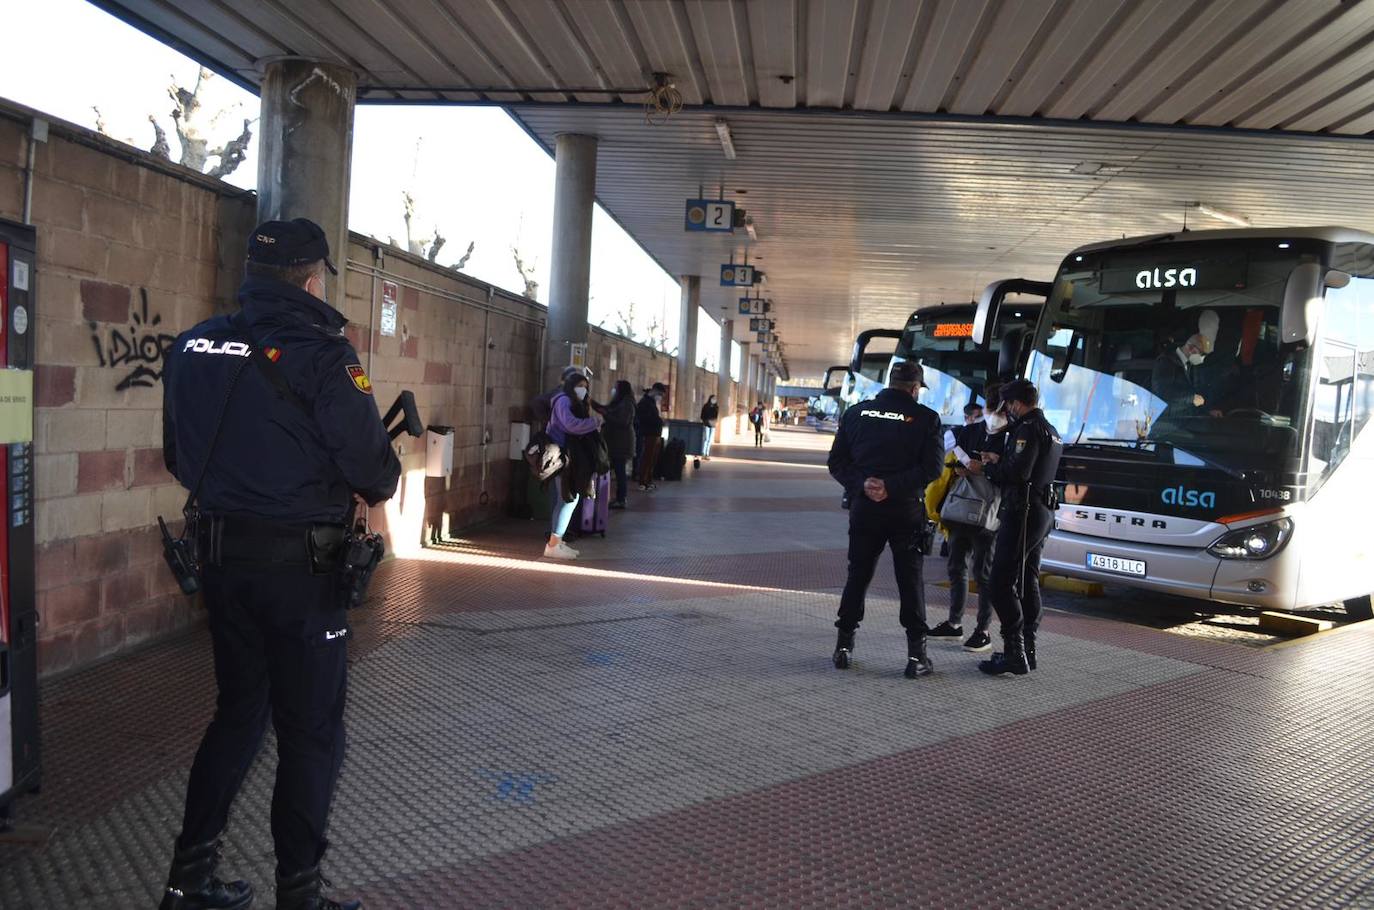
{"x":1360,"y":607}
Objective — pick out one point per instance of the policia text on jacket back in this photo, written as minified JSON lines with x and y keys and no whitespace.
{"x":277,"y":447}
{"x":885,"y":452}
{"x":1025,"y":473}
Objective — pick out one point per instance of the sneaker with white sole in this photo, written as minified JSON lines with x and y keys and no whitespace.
{"x":559,"y":551}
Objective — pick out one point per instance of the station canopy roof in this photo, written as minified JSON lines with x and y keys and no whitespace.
{"x":891,"y":153}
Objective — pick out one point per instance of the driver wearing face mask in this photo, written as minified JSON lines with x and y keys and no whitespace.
{"x":1177,"y":380}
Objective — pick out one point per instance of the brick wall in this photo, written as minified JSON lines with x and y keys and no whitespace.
{"x":128,"y":256}
{"x":131,"y":252}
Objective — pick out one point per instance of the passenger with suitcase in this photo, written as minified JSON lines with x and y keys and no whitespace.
{"x":649,"y":432}
{"x":967,"y":509}
{"x":710,"y":415}
{"x":570,"y":418}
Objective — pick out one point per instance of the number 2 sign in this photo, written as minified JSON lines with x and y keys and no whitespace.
{"x":710,"y":215}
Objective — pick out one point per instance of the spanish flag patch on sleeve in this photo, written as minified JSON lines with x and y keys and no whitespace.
{"x":359,"y":377}
{"x":272,"y":354}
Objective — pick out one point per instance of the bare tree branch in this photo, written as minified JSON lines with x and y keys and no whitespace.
{"x":232,"y":153}
{"x":526,"y":274}
{"x":160,"y":147}
{"x":435,"y":246}
{"x":458,"y":266}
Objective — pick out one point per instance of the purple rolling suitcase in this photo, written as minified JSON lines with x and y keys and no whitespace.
{"x":596,"y":513}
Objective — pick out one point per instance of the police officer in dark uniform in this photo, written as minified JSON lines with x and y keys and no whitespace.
{"x":1025,"y":474}
{"x":885,"y":452}
{"x":281,"y":444}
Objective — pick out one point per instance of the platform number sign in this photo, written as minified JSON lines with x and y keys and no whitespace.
{"x":736,"y":276}
{"x":750,"y":306}
{"x":715,"y":215}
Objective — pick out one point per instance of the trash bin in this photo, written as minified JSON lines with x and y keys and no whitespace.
{"x":691,"y":432}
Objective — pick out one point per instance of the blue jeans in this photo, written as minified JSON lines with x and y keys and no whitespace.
{"x":707,"y":438}
{"x":560,"y":512}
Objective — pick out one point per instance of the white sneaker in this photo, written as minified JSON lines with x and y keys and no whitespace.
{"x":560,"y":551}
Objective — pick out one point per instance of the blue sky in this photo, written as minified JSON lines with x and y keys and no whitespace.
{"x":474,"y":173}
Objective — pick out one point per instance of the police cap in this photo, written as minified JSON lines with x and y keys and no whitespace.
{"x":906,"y":372}
{"x":288,"y":243}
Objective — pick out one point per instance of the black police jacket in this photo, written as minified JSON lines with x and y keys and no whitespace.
{"x":890,"y":437}
{"x":1029,"y":460}
{"x":273,"y":460}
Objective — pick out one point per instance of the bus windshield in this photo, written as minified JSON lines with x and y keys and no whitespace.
{"x":1174,"y":351}
{"x":954,"y":369}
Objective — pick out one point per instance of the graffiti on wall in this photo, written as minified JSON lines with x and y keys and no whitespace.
{"x":138,"y":353}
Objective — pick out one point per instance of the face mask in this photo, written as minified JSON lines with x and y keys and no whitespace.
{"x":580,"y":392}
{"x":1196,"y":359}
{"x":995,"y":422}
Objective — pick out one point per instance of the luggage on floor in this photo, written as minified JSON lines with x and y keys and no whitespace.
{"x":673,"y":461}
{"x":594,"y":514}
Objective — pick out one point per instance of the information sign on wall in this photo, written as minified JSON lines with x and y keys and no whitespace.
{"x":390,"y":294}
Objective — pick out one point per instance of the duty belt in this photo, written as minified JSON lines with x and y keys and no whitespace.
{"x":229,"y":539}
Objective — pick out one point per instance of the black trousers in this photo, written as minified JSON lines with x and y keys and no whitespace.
{"x":1020,"y":616}
{"x":962,"y":545}
{"x":874,"y":527}
{"x":280,"y":643}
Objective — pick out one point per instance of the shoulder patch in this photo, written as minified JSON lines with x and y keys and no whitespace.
{"x":1020,"y":446}
{"x":272,"y":354}
{"x":359,"y":377}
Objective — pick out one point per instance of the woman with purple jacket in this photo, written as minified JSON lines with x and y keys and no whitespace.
{"x":571,"y":417}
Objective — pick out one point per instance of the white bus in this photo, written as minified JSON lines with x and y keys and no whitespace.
{"x":1213,"y":390}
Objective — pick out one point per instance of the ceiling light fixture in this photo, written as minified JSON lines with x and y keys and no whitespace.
{"x":727,"y":143}
{"x":1220,"y":215}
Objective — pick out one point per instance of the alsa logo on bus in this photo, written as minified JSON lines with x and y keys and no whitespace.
{"x":1155,"y":279}
{"x":1194,"y":499}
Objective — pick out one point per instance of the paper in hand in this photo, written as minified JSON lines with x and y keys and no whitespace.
{"x":962,"y":456}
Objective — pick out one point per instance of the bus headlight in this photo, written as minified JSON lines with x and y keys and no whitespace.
{"x":1254,"y":542}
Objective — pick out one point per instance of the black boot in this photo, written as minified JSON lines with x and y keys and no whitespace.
{"x":302,"y":892}
{"x":1011,"y":661}
{"x":917,"y":663}
{"x":1029,"y":647}
{"x":844,"y":649}
{"x":193,"y":885}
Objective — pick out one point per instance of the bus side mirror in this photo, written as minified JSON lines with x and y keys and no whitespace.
{"x":1302,"y":300}
{"x":1009,"y":356}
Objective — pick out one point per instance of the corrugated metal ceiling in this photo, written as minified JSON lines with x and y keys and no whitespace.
{"x":985,"y":150}
{"x":860,"y":219}
{"x":1300,"y":65}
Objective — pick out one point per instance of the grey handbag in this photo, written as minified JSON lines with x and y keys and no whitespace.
{"x":972,"y":502}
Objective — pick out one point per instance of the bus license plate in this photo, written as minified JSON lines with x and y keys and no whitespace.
{"x":1135,"y":567}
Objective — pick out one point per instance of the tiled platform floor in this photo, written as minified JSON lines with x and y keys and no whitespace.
{"x":658,"y":725}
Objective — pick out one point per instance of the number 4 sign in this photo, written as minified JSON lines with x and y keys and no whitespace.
{"x":710,"y":215}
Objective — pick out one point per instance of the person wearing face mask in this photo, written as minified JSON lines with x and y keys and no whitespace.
{"x":649,"y":433}
{"x":269,"y":419}
{"x":978,"y":435}
{"x":1176,"y":380}
{"x":1024,"y":472}
{"x":574,"y":426}
{"x":710,"y":413}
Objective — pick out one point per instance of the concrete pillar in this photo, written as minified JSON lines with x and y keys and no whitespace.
{"x":306,"y":152}
{"x":574,"y":192}
{"x":749,"y":382}
{"x":727,"y":335}
{"x":687,"y":348}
